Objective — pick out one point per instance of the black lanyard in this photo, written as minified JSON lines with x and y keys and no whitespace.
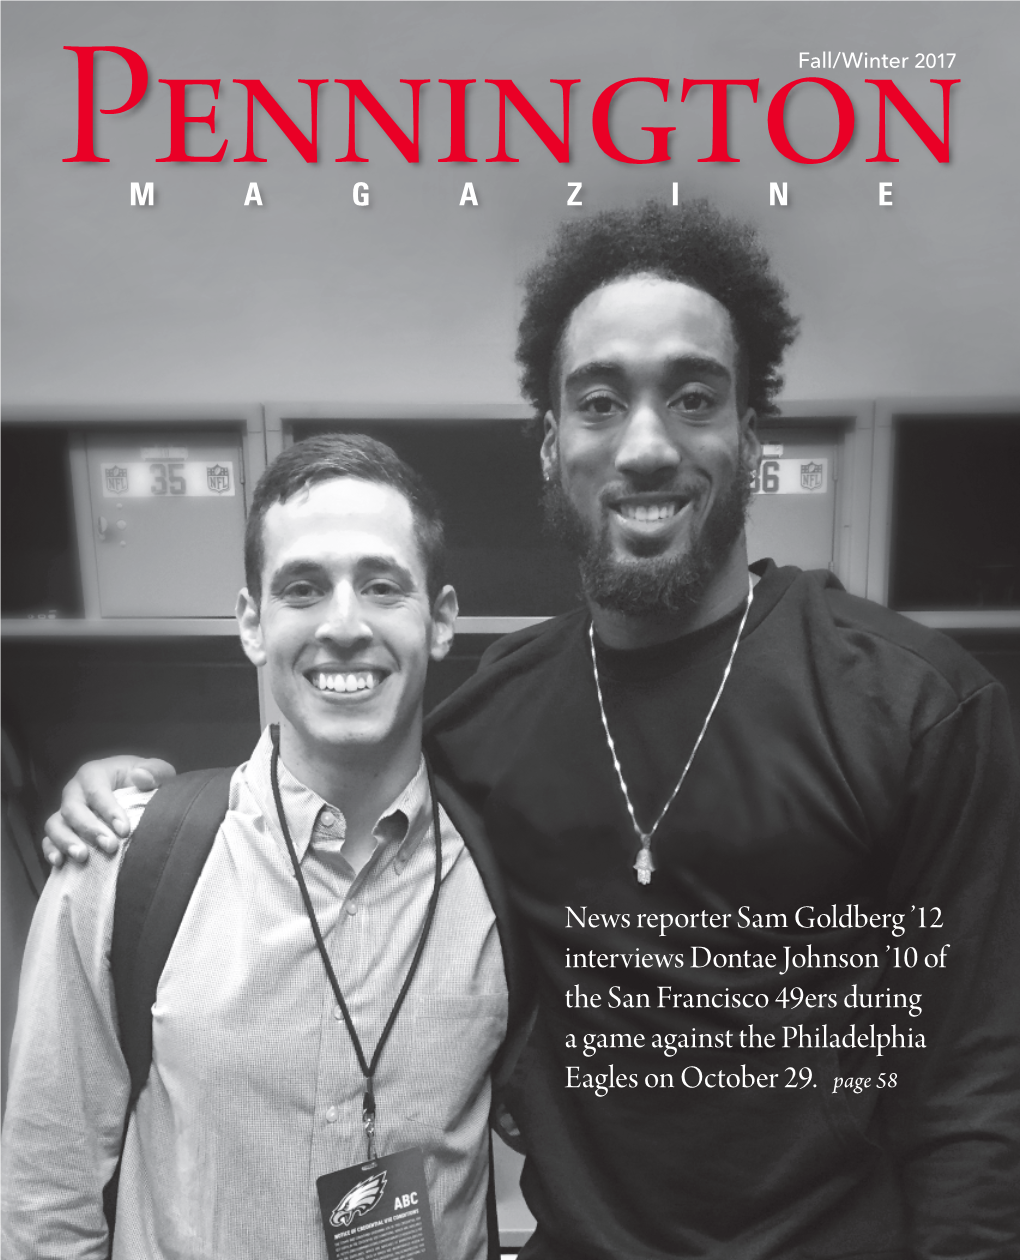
{"x":367,"y":1069}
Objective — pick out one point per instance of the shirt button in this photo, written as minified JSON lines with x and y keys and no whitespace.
{"x":328,"y":819}
{"x":331,"y":1114}
{"x":337,"y":1013}
{"x":351,"y":907}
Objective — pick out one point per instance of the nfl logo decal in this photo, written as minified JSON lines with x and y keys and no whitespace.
{"x":116,"y":479}
{"x":218,"y":478}
{"x":811,"y":476}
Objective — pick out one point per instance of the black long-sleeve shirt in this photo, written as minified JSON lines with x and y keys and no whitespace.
{"x":857,"y":765}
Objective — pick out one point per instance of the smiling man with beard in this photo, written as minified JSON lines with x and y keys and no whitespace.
{"x":704,"y":737}
{"x":654,"y":511}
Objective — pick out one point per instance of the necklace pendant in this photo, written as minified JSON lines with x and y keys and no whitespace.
{"x":644,"y":865}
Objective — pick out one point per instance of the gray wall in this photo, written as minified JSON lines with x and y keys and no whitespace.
{"x":414,"y":299}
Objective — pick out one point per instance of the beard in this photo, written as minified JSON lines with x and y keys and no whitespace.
{"x":649,"y":585}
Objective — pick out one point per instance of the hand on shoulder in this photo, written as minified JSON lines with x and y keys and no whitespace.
{"x":90,"y":812}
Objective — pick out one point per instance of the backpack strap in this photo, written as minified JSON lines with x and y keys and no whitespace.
{"x":157,"y":877}
{"x":166,"y":855}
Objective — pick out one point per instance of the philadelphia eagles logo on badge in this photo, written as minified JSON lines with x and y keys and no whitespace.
{"x":359,"y":1200}
{"x":397,"y":1228}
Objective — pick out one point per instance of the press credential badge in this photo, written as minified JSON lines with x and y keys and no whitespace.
{"x":378,"y":1210}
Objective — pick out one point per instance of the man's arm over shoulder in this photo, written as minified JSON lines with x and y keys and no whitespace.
{"x":955,"y":1121}
{"x":89,"y":811}
{"x":69,"y":1082}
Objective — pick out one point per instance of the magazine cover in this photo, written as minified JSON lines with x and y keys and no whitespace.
{"x":775,"y":993}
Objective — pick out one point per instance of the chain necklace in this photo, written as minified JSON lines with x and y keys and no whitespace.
{"x":644,"y":864}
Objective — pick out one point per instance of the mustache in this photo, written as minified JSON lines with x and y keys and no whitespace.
{"x":669,"y":487}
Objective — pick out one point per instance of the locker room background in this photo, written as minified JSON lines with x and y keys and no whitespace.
{"x":116,"y":612}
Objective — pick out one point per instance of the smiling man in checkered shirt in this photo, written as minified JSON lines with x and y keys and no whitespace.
{"x":255,"y":1089}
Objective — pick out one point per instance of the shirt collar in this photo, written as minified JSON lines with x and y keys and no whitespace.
{"x":404,"y":822}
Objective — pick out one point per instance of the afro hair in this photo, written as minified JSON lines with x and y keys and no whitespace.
{"x":692,"y":243}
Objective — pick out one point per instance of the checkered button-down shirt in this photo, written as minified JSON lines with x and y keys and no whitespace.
{"x":255,"y":1090}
